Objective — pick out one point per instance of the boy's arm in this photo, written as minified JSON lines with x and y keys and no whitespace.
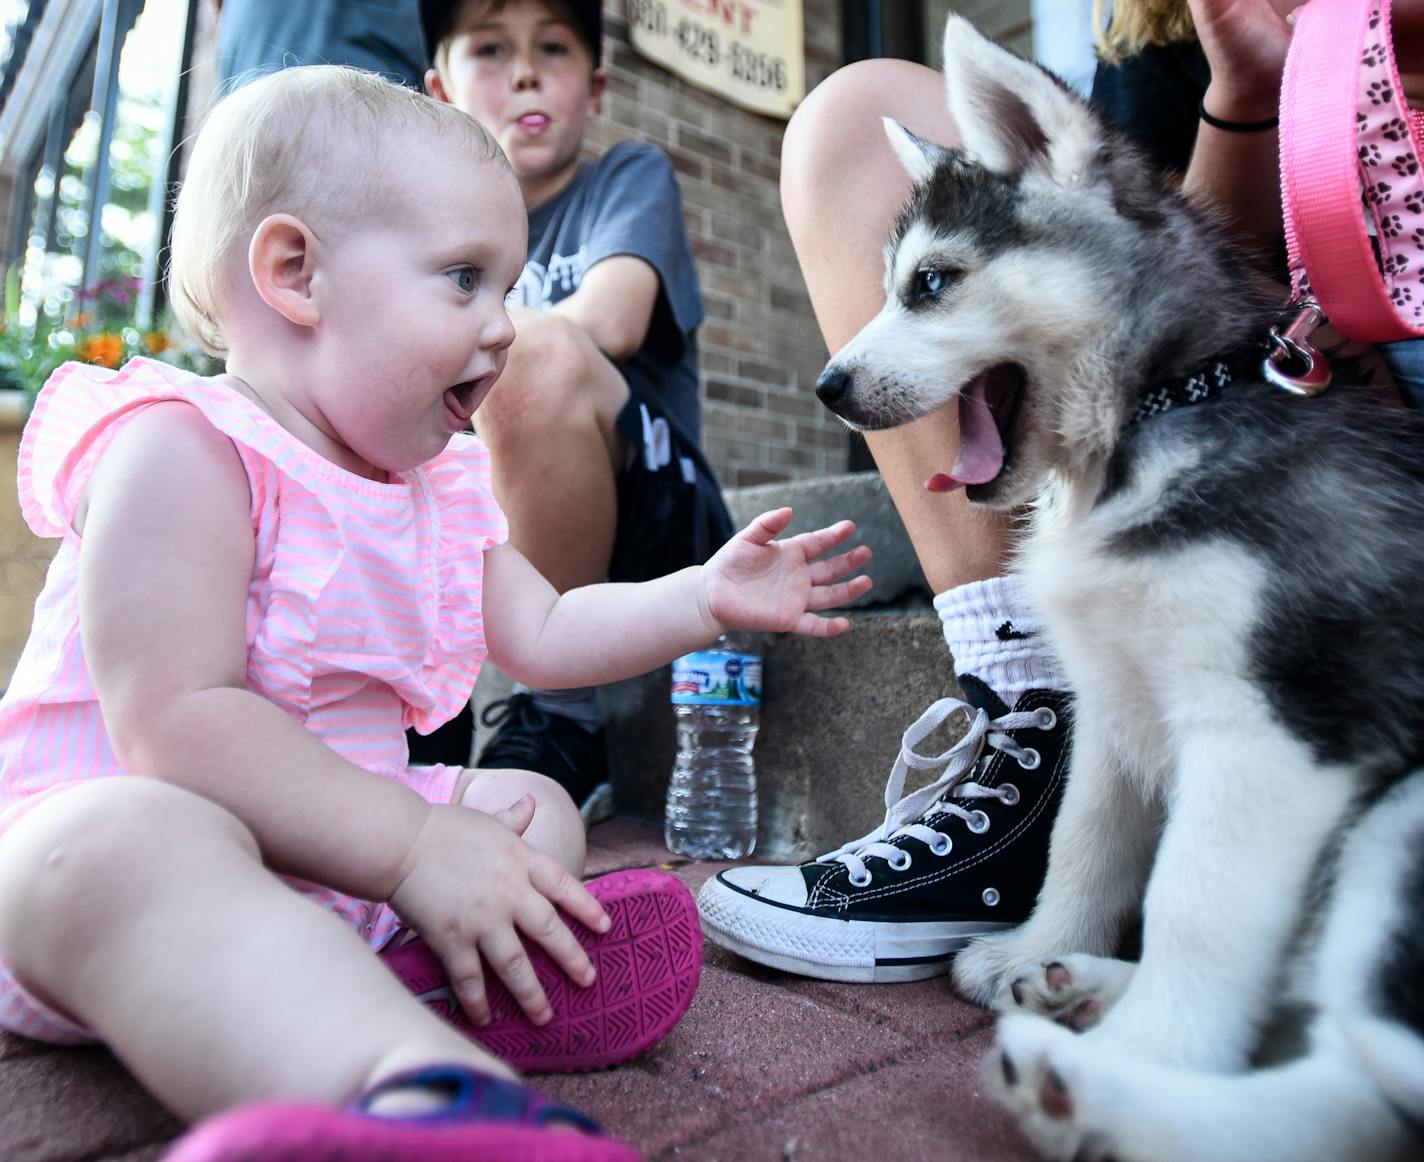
{"x":164,"y":572}
{"x":637,"y":251}
{"x":602,"y":633}
{"x":614,"y":304}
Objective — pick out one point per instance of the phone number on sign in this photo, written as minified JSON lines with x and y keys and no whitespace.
{"x":704,"y":46}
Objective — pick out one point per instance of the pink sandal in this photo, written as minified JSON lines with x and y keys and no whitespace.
{"x":648,"y":966}
{"x":488,"y":1118}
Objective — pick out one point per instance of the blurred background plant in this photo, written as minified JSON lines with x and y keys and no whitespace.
{"x":86,"y":285}
{"x":101,"y":329}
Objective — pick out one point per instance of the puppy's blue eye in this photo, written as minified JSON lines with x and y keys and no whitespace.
{"x":929,"y":283}
{"x":466,"y":278}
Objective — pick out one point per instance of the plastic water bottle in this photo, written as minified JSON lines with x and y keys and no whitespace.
{"x":712,"y":798}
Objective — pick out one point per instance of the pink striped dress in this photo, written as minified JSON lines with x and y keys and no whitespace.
{"x":363,"y":610}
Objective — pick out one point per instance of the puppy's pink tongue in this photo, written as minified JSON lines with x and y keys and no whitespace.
{"x":981,"y":449}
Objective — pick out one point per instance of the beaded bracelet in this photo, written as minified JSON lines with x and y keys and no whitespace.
{"x":1235,"y":126}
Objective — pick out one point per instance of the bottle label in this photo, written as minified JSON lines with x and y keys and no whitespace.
{"x":714,"y":679}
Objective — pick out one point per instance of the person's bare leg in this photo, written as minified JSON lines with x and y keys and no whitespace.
{"x":841,"y":188}
{"x":556,"y":828}
{"x":145,"y":912}
{"x":551,"y":426}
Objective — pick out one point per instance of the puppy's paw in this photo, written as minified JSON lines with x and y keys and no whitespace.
{"x":1059,"y":1092}
{"x":1074,"y":990}
{"x":981,"y":968}
{"x":985,"y":967}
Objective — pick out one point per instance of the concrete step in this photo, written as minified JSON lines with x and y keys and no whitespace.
{"x":833,"y":710}
{"x":832,"y":715}
{"x":858,"y":496}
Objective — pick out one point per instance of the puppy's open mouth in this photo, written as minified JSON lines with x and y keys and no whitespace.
{"x":987,"y":407}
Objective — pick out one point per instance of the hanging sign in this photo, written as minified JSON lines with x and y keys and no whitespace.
{"x":750,"y":52}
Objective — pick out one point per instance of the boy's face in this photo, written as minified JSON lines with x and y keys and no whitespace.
{"x":524,"y":73}
{"x":413,"y":325}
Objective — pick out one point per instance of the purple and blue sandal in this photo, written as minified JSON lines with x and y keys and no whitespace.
{"x":487,"y":1118}
{"x":647,"y":965}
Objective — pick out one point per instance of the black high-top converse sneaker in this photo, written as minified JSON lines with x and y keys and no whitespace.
{"x":958,"y":858}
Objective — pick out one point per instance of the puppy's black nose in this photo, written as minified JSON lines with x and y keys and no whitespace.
{"x":832,"y":386}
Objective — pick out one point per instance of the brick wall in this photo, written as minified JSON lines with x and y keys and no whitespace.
{"x":761,"y":351}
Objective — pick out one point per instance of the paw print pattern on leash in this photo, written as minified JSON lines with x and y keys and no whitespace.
{"x":1387,"y":156}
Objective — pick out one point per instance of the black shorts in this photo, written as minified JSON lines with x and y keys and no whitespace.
{"x":670,"y":509}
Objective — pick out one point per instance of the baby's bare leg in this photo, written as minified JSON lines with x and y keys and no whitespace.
{"x":556,"y":829}
{"x":145,"y":912}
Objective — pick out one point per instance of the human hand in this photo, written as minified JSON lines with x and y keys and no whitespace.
{"x":470,"y":886}
{"x":1245,"y":43}
{"x":755,"y":582}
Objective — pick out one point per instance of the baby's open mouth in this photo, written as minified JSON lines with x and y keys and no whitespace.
{"x":460,"y":399}
{"x":987,"y":407}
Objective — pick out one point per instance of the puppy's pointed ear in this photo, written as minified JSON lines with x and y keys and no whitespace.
{"x":282,"y":259}
{"x":1012,"y":115}
{"x":915,"y":153}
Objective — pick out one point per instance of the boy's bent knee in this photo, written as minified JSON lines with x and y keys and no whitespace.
{"x":556,"y":375}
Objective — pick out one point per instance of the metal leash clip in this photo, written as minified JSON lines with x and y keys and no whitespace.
{"x":1294,"y":363}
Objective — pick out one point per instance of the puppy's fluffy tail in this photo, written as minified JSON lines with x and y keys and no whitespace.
{"x":1393,"y":1055}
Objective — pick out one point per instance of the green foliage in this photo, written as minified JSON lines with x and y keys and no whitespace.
{"x":102,"y":332}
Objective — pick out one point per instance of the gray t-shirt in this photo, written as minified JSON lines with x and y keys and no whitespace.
{"x":626,"y":202}
{"x":261,"y":36}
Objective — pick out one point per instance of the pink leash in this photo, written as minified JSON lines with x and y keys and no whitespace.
{"x":1348,"y":141}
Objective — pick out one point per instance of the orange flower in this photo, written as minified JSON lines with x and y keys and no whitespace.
{"x":81,"y":321}
{"x":107,"y":349}
{"x":156,"y":342}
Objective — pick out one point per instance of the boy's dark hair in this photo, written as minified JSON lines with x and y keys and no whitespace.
{"x":437,"y":16}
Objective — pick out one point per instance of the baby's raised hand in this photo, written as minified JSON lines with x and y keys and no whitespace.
{"x":471,"y":886}
{"x":757,"y":582}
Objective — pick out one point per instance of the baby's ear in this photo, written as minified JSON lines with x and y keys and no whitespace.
{"x":282,"y":261}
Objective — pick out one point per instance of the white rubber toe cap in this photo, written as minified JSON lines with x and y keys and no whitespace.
{"x":778,"y":885}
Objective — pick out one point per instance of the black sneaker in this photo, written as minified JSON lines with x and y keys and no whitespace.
{"x":959,"y":858}
{"x":531,"y":739}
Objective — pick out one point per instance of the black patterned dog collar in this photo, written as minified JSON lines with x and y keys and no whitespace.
{"x":1208,"y":381}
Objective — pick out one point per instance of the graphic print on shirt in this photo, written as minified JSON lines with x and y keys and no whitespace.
{"x":541,"y":286}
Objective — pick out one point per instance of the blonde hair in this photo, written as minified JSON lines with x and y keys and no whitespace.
{"x":1135,"y":24}
{"x":313,"y":142}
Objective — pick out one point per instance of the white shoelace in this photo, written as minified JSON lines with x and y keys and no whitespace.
{"x":902,"y":812}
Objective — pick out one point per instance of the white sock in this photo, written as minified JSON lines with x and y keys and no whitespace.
{"x":992,"y":635}
{"x":579,"y":704}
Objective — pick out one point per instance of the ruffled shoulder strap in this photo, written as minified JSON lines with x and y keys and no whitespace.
{"x":82,"y":407}
{"x":468,"y":521}
{"x":461,"y":485}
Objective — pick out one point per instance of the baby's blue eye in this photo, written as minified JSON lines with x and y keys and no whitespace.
{"x":467,"y":278}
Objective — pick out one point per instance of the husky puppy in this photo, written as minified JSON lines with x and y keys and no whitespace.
{"x":1235,"y":587}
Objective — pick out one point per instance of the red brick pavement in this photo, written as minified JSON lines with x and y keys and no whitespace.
{"x":765,"y":1067}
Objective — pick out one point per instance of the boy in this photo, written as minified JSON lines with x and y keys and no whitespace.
{"x":595,"y":435}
